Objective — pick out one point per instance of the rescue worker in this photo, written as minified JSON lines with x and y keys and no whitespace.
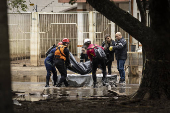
{"x":95,"y":61}
{"x":50,"y":68}
{"x":110,"y":54}
{"x":84,"y":56}
{"x":60,"y":43}
{"x":120,"y":49}
{"x":61,"y":60}
{"x":54,"y":46}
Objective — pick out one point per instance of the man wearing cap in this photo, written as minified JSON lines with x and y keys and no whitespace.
{"x":50,"y":67}
{"x":61,"y":60}
{"x":95,"y":61}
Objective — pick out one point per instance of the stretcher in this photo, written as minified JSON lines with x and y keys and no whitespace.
{"x":79,"y":67}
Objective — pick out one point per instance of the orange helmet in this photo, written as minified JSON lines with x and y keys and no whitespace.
{"x":59,"y":43}
{"x":66,"y":40}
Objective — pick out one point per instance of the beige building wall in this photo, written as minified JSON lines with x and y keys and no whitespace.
{"x":46,"y":6}
{"x":124,"y":6}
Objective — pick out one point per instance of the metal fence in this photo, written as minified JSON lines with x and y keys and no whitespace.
{"x":134,"y":59}
{"x":53,"y":27}
{"x":19,"y":33}
{"x":103,"y":27}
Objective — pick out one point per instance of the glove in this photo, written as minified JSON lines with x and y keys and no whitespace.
{"x":111,"y":48}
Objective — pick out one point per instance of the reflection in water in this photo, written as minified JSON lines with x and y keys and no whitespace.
{"x":94,"y":92}
{"x":30,"y":78}
{"x":74,"y":93}
{"x":40,"y":92}
{"x":121,"y":90}
{"x":134,"y":80}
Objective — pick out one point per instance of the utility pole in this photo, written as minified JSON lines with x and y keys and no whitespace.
{"x":36,"y":8}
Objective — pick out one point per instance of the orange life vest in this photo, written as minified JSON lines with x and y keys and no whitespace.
{"x":59,"y":53}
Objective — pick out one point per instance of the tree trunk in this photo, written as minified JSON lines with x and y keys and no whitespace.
{"x":155,"y":82}
{"x":5,"y":81}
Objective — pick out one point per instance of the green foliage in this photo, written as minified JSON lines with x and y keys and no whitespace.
{"x":17,"y":5}
{"x":72,"y":2}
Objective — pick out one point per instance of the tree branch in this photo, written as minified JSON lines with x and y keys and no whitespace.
{"x":143,"y":20}
{"x":142,"y":10}
{"x":126,"y":21}
{"x":160,"y":16}
{"x":144,"y":5}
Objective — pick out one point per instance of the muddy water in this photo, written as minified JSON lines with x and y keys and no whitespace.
{"x":32,"y":89}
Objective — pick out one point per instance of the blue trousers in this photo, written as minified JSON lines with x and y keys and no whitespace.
{"x":120,"y":67}
{"x":50,"y":68}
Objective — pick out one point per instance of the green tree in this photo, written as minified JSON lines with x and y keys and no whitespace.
{"x":17,"y":5}
{"x":155,"y":42}
{"x":5,"y":81}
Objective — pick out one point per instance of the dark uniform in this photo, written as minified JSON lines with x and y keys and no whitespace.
{"x":61,"y":60}
{"x":83,"y":57}
{"x":121,"y":56}
{"x":50,"y":67}
{"x":109,"y":55}
{"x":96,"y":62}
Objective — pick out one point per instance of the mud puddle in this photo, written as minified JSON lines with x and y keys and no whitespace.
{"x":35,"y":91}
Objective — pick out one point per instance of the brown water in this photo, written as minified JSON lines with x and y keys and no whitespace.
{"x":33,"y":90}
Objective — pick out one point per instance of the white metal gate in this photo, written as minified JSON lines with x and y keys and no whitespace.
{"x":19,"y":36}
{"x":55,"y":27}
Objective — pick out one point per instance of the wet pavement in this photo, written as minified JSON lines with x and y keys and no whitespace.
{"x":34,"y":91}
{"x":31,"y":81}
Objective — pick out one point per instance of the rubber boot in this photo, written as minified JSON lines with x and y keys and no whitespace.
{"x":55,"y":81}
{"x":47,"y":81}
{"x":66,"y":83}
{"x":94,"y":85}
{"x":104,"y":81}
{"x":55,"y":78}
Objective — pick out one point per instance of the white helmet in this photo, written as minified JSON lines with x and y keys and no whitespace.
{"x":87,"y":40}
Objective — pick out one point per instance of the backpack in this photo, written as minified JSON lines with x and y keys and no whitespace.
{"x":48,"y":51}
{"x":99,"y":52}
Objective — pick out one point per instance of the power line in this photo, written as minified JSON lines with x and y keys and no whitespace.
{"x":47,"y":5}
